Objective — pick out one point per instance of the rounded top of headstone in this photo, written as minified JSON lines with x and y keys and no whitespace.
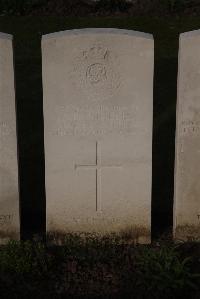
{"x":190,"y":34}
{"x":5,"y":36}
{"x":98,"y":31}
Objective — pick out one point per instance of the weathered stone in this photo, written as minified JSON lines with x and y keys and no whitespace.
{"x":9,"y":195}
{"x":98,"y":108}
{"x":187,"y":168}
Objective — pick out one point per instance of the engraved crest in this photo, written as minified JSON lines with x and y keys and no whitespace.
{"x":96,"y":72}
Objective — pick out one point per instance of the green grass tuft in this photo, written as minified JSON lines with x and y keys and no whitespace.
{"x":99,"y":267}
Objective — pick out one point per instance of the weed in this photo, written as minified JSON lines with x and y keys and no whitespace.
{"x":19,"y":6}
{"x":88,"y":7}
{"x":91,"y":265}
{"x":162,"y":271}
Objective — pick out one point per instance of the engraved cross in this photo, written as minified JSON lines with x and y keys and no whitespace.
{"x":98,"y":167}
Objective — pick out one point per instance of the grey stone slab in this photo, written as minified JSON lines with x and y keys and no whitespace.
{"x":9,"y":193}
{"x":98,"y":109}
{"x":97,"y":31}
{"x":187,"y":166}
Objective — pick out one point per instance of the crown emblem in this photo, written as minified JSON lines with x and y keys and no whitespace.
{"x":96,"y":52}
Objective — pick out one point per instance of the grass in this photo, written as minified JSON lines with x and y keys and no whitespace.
{"x":99,"y":267}
{"x":101,"y":7}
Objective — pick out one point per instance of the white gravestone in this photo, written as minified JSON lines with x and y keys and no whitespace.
{"x":98,"y":108}
{"x":9,"y":195}
{"x":187,"y":168}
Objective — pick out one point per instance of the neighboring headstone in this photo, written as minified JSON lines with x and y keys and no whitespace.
{"x":98,"y":110}
{"x":187,"y":169}
{"x":9,"y":195}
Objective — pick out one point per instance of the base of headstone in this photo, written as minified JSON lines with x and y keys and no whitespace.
{"x":187,"y":233}
{"x":133,"y":236}
{"x":6,"y":237}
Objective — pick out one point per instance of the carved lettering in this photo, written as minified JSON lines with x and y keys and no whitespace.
{"x":6,"y":219}
{"x":92,"y":220}
{"x":190,"y":127}
{"x":99,"y":120}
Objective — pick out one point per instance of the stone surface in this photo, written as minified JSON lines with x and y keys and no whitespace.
{"x":187,"y":168}
{"x":98,"y":108}
{"x":9,"y":195}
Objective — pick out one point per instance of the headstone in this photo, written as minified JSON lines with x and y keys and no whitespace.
{"x":187,"y":169}
{"x":9,"y":195}
{"x":98,"y":107}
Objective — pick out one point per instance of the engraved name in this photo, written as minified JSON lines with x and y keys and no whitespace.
{"x":95,"y":121}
